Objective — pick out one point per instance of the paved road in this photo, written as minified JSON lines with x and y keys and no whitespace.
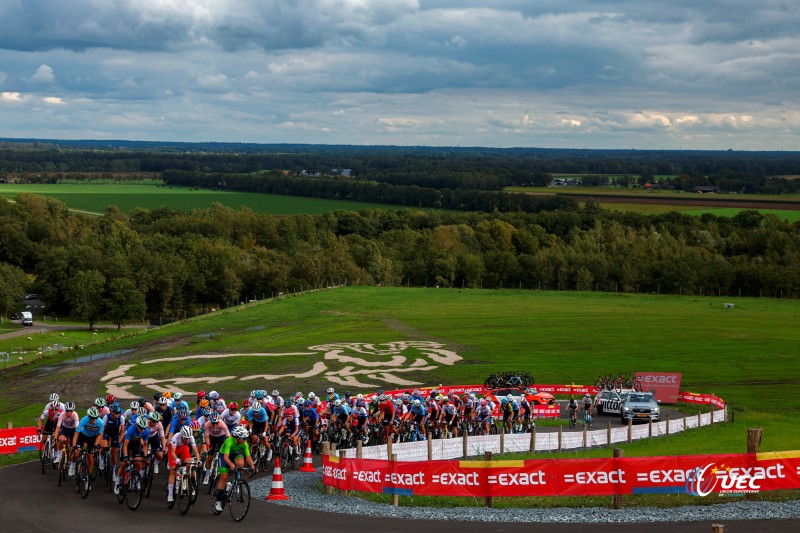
{"x":32,"y":502}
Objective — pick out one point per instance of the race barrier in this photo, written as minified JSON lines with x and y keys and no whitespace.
{"x":527,"y":442}
{"x":17,"y":440}
{"x":699,"y":475}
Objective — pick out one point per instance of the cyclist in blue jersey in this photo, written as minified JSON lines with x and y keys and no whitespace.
{"x":180,"y":403}
{"x":341,"y":413}
{"x":181,"y":419}
{"x":113,"y":427}
{"x":257,"y":418}
{"x":89,"y":433}
{"x":419,"y":415}
{"x":311,"y":420}
{"x":134,"y":448}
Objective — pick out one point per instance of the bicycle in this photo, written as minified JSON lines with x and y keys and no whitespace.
{"x":148,"y":474}
{"x":83,"y":478}
{"x":130,"y":490}
{"x":573,"y":418}
{"x":587,"y":417}
{"x":45,"y":449}
{"x":289,"y":454}
{"x":213,"y":476}
{"x":62,"y":466}
{"x":237,"y":497}
{"x":108,"y":469}
{"x":185,"y":488}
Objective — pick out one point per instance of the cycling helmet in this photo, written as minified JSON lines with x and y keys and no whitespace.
{"x":183,"y":412}
{"x":483,"y":402}
{"x":201,"y":394}
{"x":142,"y":401}
{"x":115,"y":408}
{"x":204,"y":411}
{"x":240,"y":432}
{"x":329,"y":391}
{"x":417,"y":403}
{"x":221,"y":408}
{"x":141,"y":422}
{"x":110,"y":399}
{"x":398,"y":401}
{"x":446,"y":400}
{"x":134,"y":405}
{"x":213,"y":417}
{"x":259,"y":395}
{"x":155,"y":417}
{"x":54,"y":405}
{"x":387,"y":396}
{"x":381,"y":398}
{"x":195,"y":425}
{"x":347,"y":394}
{"x":203,"y":403}
{"x":100,"y":402}
{"x":275,"y":393}
{"x":178,"y":396}
{"x":186,"y":432}
{"x":359,"y":397}
{"x":504,"y":401}
{"x":374,"y":400}
{"x":246,"y":403}
{"x":233,"y":406}
{"x":214,"y":395}
{"x":92,"y":412}
{"x":156,"y":397}
{"x":311,"y":395}
{"x":162,"y":400}
{"x":141,"y":411}
{"x":465,"y":397}
{"x":54,"y":397}
{"x":307,"y":403}
{"x":510,"y":398}
{"x":337,"y":403}
{"x":69,"y":406}
{"x":167,"y":394}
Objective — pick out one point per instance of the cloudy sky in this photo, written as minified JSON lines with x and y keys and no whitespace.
{"x":553,"y":73}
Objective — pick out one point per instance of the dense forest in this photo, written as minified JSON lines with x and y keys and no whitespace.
{"x":485,"y":169}
{"x":167,"y":264}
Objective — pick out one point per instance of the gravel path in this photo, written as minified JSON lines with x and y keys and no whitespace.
{"x":302,"y":488}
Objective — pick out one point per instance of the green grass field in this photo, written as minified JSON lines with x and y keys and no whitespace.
{"x":94,"y":198}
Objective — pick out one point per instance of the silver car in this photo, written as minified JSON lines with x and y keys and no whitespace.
{"x":639,"y":406}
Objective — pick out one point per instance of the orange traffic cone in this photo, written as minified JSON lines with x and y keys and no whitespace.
{"x":276,"y":490}
{"x":308,"y":464}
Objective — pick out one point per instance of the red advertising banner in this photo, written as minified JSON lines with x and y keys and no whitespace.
{"x":698,"y":475}
{"x":665,"y":386}
{"x":18,"y":440}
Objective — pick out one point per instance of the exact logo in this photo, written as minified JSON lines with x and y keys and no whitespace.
{"x":8,"y":441}
{"x":522,"y":478}
{"x":596,"y":478}
{"x":470,"y":480}
{"x":335,"y":473}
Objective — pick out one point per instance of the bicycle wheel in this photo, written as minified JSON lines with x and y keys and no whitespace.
{"x":45,"y":451}
{"x":212,"y":477}
{"x":182,"y":497}
{"x":123,"y":488}
{"x":62,"y":468}
{"x":148,"y":479}
{"x":133,"y":493}
{"x":255,"y":455}
{"x":84,"y":479}
{"x":239,"y":502}
{"x":193,"y":490}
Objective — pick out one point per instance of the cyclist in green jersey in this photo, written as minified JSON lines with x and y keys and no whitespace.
{"x":233,"y":453}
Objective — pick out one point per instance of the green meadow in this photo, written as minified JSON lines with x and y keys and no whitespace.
{"x":748,"y":355}
{"x":94,"y":198}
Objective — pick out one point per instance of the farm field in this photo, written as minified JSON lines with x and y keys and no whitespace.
{"x":363,"y":339}
{"x":618,"y":191}
{"x":94,"y":198}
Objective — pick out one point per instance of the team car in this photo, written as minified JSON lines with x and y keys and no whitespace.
{"x":629,"y":404}
{"x":534,"y":396}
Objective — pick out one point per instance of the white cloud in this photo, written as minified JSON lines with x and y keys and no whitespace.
{"x":53,"y":100}
{"x":44,"y":74}
{"x":10,"y":97}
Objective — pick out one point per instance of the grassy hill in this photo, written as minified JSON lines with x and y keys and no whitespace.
{"x":343,"y":337}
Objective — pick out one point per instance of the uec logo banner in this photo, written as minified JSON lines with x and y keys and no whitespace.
{"x":697,"y":475}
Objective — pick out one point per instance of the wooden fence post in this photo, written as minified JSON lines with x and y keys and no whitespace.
{"x":359,"y":449}
{"x":430,"y":449}
{"x":395,"y":496}
{"x":608,"y":438}
{"x":466,"y":448}
{"x":326,"y":450}
{"x":389,"y":446}
{"x":753,"y":446}
{"x":630,"y":430}
{"x":502,"y":440}
{"x":584,"y":436}
{"x":717,"y":528}
{"x":649,"y":427}
{"x":10,"y":424}
{"x":487,"y":456}
{"x":560,"y":436}
{"x":699,"y":419}
{"x":667,"y":424}
{"x":342,"y":456}
{"x":533,"y":438}
{"x":617,"y":497}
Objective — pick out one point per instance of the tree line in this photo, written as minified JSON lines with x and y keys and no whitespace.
{"x":167,"y":263}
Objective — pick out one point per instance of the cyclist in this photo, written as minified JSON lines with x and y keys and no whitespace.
{"x":311,"y":420}
{"x":341,"y":413}
{"x":215,"y":434}
{"x":181,"y":419}
{"x":387,"y":415}
{"x":47,"y":422}
{"x":131,"y":412}
{"x":332,"y":396}
{"x":277,"y":410}
{"x":572,"y":408}
{"x":359,"y":416}
{"x":231,"y":416}
{"x":233,"y":453}
{"x":315,"y":401}
{"x":215,"y":401}
{"x":157,"y":442}
{"x":510,"y":409}
{"x":587,"y":404}
{"x":65,"y":429}
{"x":291,"y":426}
{"x":134,"y":448}
{"x":102,"y":408}
{"x":202,"y":405}
{"x":162,"y":407}
{"x":113,"y":429}
{"x":257,"y":418}
{"x":419,"y":415}
{"x":483,"y":413}
{"x":527,"y":410}
{"x":181,"y":447}
{"x":89,"y":432}
{"x":180,"y":403}
{"x":449,"y":415}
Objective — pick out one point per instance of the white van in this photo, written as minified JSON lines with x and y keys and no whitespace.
{"x":27,"y":318}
